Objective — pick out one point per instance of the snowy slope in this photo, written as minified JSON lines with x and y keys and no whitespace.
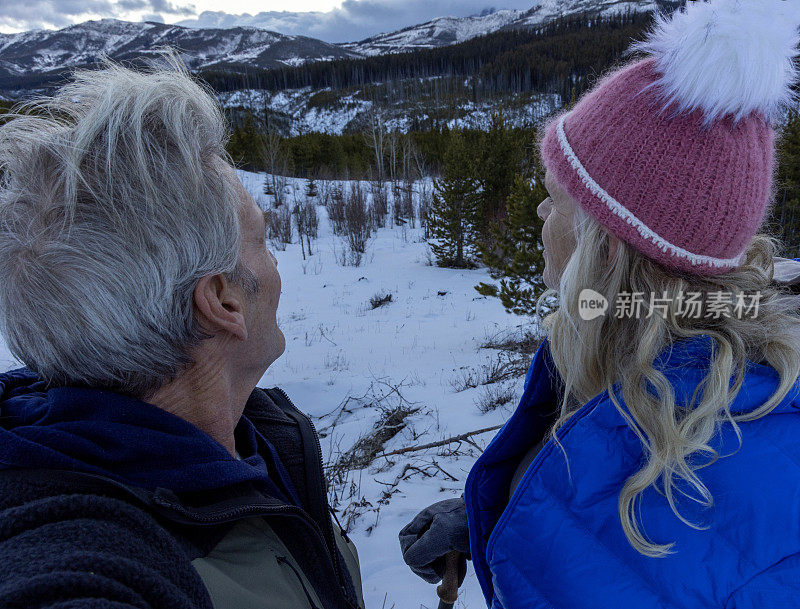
{"x":43,"y":50}
{"x":352,"y":111}
{"x":444,"y":31}
{"x":544,"y":11}
{"x":343,"y":361}
{"x":439,"y":32}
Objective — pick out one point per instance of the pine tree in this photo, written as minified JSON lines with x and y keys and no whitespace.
{"x":502,"y":152}
{"x":786,"y":214}
{"x":516,"y":258}
{"x":244,"y":144}
{"x":451,"y":216}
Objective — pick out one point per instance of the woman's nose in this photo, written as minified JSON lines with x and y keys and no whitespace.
{"x":541,"y":209}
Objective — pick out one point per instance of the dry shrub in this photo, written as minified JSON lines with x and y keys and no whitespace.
{"x":505,"y":367}
{"x":367,"y":448}
{"x":335,"y":204}
{"x":522,"y":341}
{"x":380,"y":299}
{"x":403,"y":207}
{"x":307,"y":220}
{"x":425,"y":201}
{"x":357,"y":227}
{"x":380,"y":203}
{"x":279,"y":227}
{"x":494,"y":396}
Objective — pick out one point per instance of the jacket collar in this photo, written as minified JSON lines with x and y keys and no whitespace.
{"x":685,"y":363}
{"x":125,"y":439}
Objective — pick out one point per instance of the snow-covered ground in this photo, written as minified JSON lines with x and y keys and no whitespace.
{"x":304,"y":117}
{"x":348,"y":365}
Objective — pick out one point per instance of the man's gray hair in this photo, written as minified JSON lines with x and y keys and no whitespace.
{"x":114,"y":202}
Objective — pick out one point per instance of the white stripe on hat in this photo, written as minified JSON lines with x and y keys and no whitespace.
{"x":620,"y":210}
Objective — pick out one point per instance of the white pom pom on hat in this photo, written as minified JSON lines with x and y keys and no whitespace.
{"x":674,"y":153}
{"x":727,"y":57}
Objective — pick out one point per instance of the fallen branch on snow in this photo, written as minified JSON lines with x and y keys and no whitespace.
{"x":459,"y":438}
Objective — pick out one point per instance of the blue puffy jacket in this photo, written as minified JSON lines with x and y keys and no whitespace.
{"x":559,"y":543}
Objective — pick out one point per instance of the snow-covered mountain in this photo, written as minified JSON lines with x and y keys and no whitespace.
{"x":444,"y":31}
{"x":547,"y":10}
{"x":37,"y":59}
{"x":42,"y":51}
{"x":439,"y":32}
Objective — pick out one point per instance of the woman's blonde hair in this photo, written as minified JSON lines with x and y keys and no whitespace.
{"x":594,"y":356}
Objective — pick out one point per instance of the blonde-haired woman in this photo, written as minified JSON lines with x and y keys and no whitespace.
{"x":654,"y":460}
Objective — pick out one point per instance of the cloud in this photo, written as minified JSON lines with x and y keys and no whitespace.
{"x":44,"y":13}
{"x":354,"y":20}
{"x":156,"y":7}
{"x":169,"y":8}
{"x":49,"y":14}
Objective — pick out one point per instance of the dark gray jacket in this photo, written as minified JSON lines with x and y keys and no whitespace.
{"x":79,"y":539}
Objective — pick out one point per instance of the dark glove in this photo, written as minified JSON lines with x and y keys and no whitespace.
{"x":435,"y":531}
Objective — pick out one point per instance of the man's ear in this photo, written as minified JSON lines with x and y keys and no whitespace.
{"x":220,"y":306}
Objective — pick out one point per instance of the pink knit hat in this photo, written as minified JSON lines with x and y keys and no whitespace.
{"x":674,"y":154}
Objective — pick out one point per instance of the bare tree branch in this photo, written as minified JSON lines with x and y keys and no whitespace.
{"x":459,"y":438}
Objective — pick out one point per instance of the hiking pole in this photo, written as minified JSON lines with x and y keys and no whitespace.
{"x":448,"y":589}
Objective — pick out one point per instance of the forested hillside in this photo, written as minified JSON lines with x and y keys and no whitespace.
{"x":560,"y":57}
{"x":527,"y":74}
{"x":413,"y":115}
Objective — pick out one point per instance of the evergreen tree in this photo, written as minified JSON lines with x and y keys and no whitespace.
{"x":244,"y":145}
{"x":502,"y":151}
{"x":516,"y":258}
{"x":451,"y":217}
{"x":786,"y":213}
{"x":555,"y":57}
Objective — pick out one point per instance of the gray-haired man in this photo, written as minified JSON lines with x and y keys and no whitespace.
{"x":139,"y":464}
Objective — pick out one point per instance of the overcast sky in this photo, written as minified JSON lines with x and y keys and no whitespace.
{"x":330,"y":20}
